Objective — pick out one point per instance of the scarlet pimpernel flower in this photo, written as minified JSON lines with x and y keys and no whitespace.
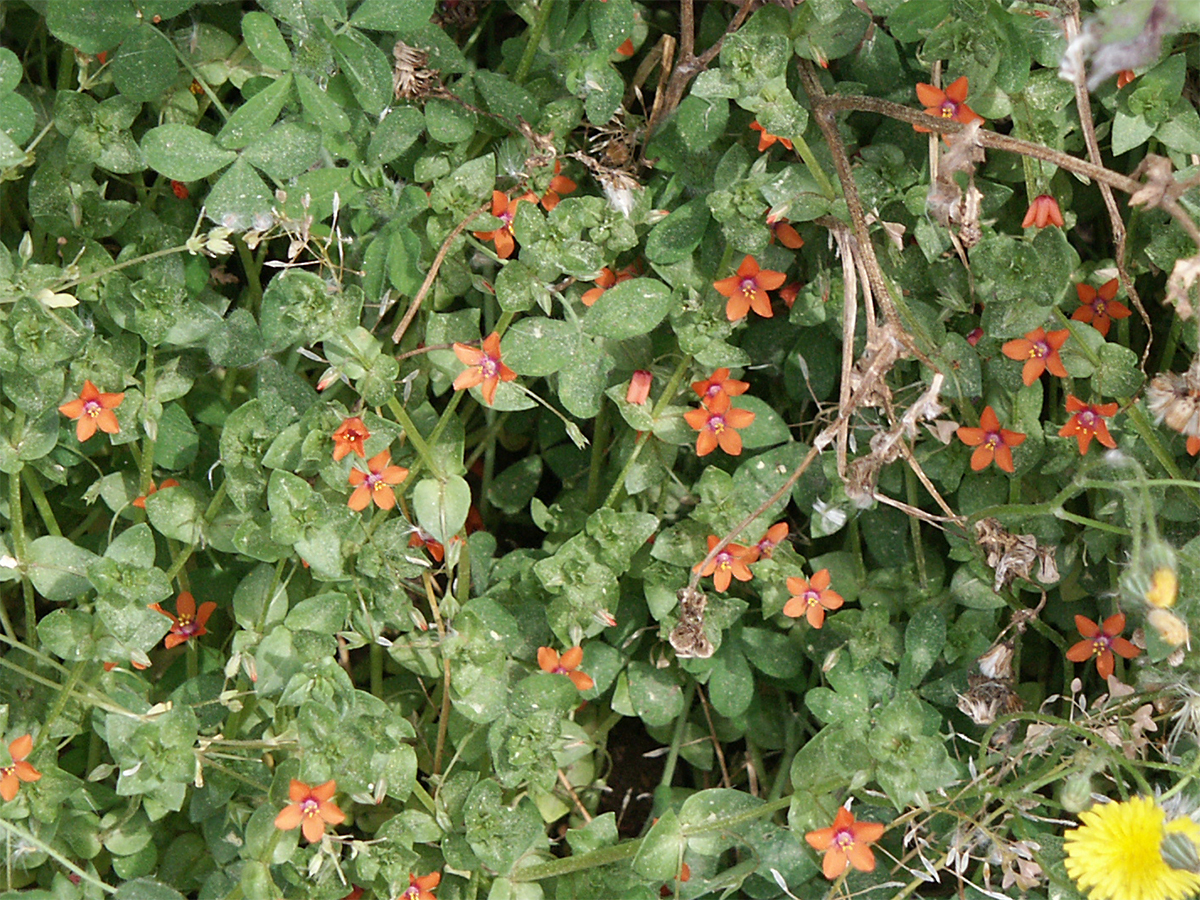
{"x":732,"y":562}
{"x":717,"y":384}
{"x":1040,"y":352}
{"x":639,"y":387}
{"x":782,"y":229}
{"x":769,"y":541}
{"x":812,"y":598}
{"x":718,"y":425}
{"x":140,"y":502}
{"x":421,"y":888}
{"x":1116,"y":853}
{"x":950,"y":103}
{"x":1098,"y":307}
{"x":93,"y":410}
{"x":567,"y":664}
{"x":421,"y":539}
{"x":560,"y":184}
{"x":766,"y":139}
{"x":844,"y":843}
{"x":1101,"y":641}
{"x":1124,"y":77}
{"x":991,"y":442}
{"x":747,"y":290}
{"x":312,"y":808}
{"x":376,"y":484}
{"x":505,"y":209}
{"x":20,"y":770}
{"x":485,"y":368}
{"x":350,"y":437}
{"x":1088,"y":422}
{"x":1043,"y":211}
{"x":186,"y":621}
{"x":606,"y":279}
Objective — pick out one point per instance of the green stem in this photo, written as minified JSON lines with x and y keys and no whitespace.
{"x":600,"y":433}
{"x":24,"y":835}
{"x":414,"y":437}
{"x":38,"y":496}
{"x":16,"y":521}
{"x":251,"y":266}
{"x":668,"y":775}
{"x":64,"y":695}
{"x":146,"y":468}
{"x":192,"y":656}
{"x":914,"y":527}
{"x":535,"y":38}
{"x":376,"y":654}
{"x":664,"y":401}
{"x":117,"y":267}
{"x":814,"y":167}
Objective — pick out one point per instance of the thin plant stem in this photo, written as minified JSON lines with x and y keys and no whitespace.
{"x":535,"y":38}
{"x":12,"y":829}
{"x":668,"y":774}
{"x":34,"y":485}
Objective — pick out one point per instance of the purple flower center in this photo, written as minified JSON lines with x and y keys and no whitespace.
{"x":748,"y":285}
{"x":844,"y":838}
{"x":1040,"y":350}
{"x":92,"y":408}
{"x":187,"y":626}
{"x":1086,"y":419}
{"x":310,"y":806}
{"x":724,"y":559}
{"x":948,"y":109}
{"x":716,"y":423}
{"x":993,"y":439}
{"x":489,"y":367}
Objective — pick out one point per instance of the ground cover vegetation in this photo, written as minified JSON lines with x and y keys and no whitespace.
{"x":599,"y":449}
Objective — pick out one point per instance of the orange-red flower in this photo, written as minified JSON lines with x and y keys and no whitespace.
{"x":768,"y":542}
{"x":717,"y":384}
{"x":93,"y":410}
{"x":789,"y":292}
{"x":559,"y":185}
{"x":948,"y":104}
{"x":718,"y":425}
{"x":567,"y":664}
{"x":748,"y":290}
{"x":179,"y":189}
{"x":782,"y":229}
{"x":639,"y":387}
{"x":1088,"y":422}
{"x":311,"y":808}
{"x":1193,"y":446}
{"x":732,"y":562}
{"x":845,"y":843}
{"x":991,"y":442}
{"x":1102,"y":641}
{"x":376,"y":484}
{"x":626,"y":48}
{"x":1099,"y":307}
{"x":186,"y":622}
{"x":485,"y":367}
{"x":1124,"y":77}
{"x":1043,"y":211}
{"x":606,"y":279}
{"x":12,"y":776}
{"x":140,"y":502}
{"x":350,"y":437}
{"x":766,"y":139}
{"x":504,"y":208}
{"x":420,"y":538}
{"x":1040,"y":352}
{"x":421,"y":888}
{"x":812,"y":598}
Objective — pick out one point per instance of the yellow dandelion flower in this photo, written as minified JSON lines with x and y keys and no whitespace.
{"x":1116,"y":854}
{"x":1164,"y":586}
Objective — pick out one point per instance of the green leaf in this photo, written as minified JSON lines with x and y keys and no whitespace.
{"x":731,"y":683}
{"x":177,"y":443}
{"x":264,"y":40}
{"x":91,"y":27}
{"x":145,"y":66}
{"x":513,"y":488}
{"x":239,"y":199}
{"x":10,"y":70}
{"x":319,"y":109}
{"x":1118,"y":374}
{"x":538,"y":346}
{"x":183,"y":153}
{"x":368,"y":70}
{"x":518,"y":288}
{"x":392,"y":15}
{"x":500,"y":835}
{"x":146,"y":889}
{"x":674,"y":238}
{"x":767,"y":429}
{"x":398,"y":131}
{"x":67,"y":633}
{"x":505,"y":98}
{"x":655,"y":694}
{"x":924,"y":638}
{"x":661,"y":851}
{"x":176,"y":513}
{"x":58,"y":568}
{"x":442,"y":506}
{"x":628,"y":309}
{"x":252,"y":118}
{"x":286,"y":150}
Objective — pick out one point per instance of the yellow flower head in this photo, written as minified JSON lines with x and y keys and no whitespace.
{"x":1116,"y":852}
{"x":1164,"y":585}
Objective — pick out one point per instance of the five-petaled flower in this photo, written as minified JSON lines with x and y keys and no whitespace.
{"x":748,"y":290}
{"x":768,"y":542}
{"x":560,"y":184}
{"x":186,"y":622}
{"x":948,"y":104}
{"x":639,"y":387}
{"x":505,"y":209}
{"x":1098,"y":306}
{"x":93,"y":410}
{"x":1043,"y":211}
{"x":731,"y":562}
{"x":1102,"y":641}
{"x":606,"y":279}
{"x":421,"y":888}
{"x":717,"y":384}
{"x":20,"y":770}
{"x":991,"y":442}
{"x":766,"y":139}
{"x":350,"y":437}
{"x":311,"y":808}
{"x":567,"y":664}
{"x":1039,"y":349}
{"x":1088,"y":422}
{"x":811,"y":598}
{"x":718,"y":425}
{"x":844,"y":843}
{"x":376,"y":484}
{"x":140,"y":502}
{"x":485,"y":369}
